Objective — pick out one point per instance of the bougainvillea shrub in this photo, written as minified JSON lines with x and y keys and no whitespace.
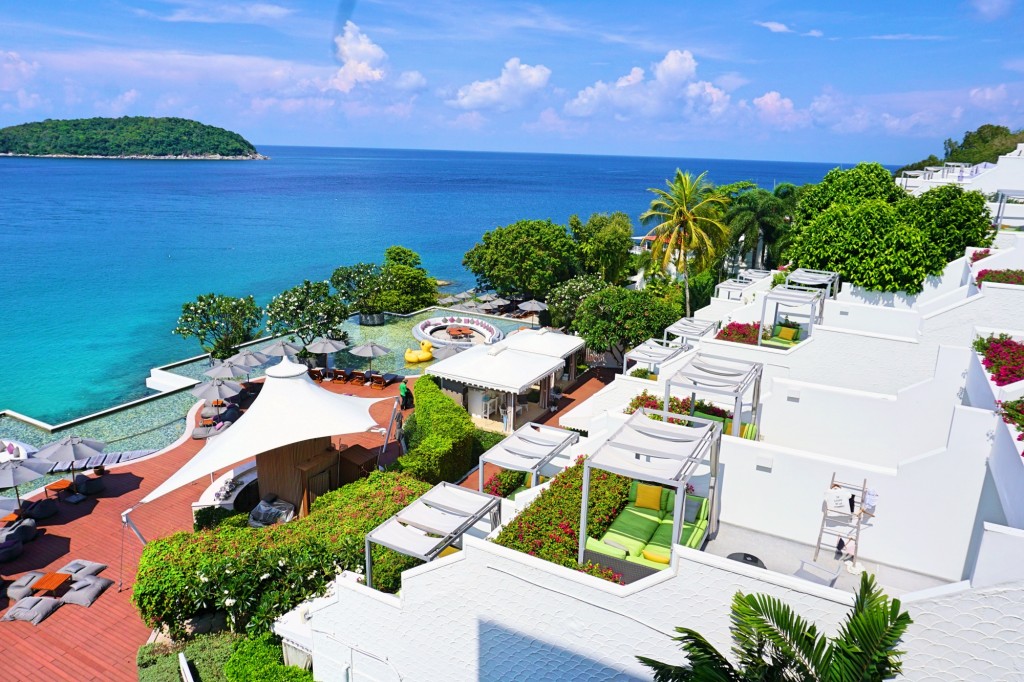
{"x":1001,"y":277}
{"x":1002,"y":357}
{"x":675,"y":405}
{"x":503,"y":483}
{"x":979,"y":254}
{"x":1012,"y":412}
{"x":740,"y":332}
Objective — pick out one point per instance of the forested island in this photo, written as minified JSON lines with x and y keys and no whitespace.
{"x":128,"y":137}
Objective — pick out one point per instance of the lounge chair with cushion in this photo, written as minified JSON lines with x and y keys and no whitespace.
{"x":341,"y":376}
{"x":23,"y":530}
{"x":32,"y":609}
{"x":22,"y":587}
{"x":204,"y":432}
{"x":392,"y":378}
{"x":87,"y":485}
{"x":40,"y":509}
{"x":748,"y":431}
{"x":79,"y":568}
{"x":269,"y":511}
{"x":377,"y":381}
{"x":783,"y":337}
{"x":86,"y":590}
{"x":10,"y":549}
{"x":212,"y":408}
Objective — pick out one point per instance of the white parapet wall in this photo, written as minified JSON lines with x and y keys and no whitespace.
{"x":163,"y":381}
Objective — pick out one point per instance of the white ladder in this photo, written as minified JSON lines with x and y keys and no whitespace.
{"x":836,"y":525}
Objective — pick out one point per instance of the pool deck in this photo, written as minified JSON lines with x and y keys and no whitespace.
{"x":100,"y":642}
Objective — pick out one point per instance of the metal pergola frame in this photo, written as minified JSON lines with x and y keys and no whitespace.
{"x":731,"y":286}
{"x":689,"y":329}
{"x":425,"y":531}
{"x":654,"y":352}
{"x":1002,"y":196}
{"x":810,"y":279}
{"x":518,"y":446}
{"x":678,"y":449}
{"x":790,"y":296}
{"x":720,"y":376}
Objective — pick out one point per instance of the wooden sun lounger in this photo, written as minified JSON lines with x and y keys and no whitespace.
{"x":341,"y":376}
{"x":377,"y":381}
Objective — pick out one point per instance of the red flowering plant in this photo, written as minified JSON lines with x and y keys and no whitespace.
{"x":1000,"y":277}
{"x":549,"y":528}
{"x":740,"y":332}
{"x":675,"y":405}
{"x":1012,"y":412}
{"x":979,"y":254}
{"x":503,"y":483}
{"x":1002,"y":357}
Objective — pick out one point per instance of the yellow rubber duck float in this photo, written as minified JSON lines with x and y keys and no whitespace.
{"x":425,"y":353}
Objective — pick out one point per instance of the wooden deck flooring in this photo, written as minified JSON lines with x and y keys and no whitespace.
{"x":100,"y":642}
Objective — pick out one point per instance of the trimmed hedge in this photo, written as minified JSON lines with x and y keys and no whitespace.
{"x":441,"y":442}
{"x":208,"y":655}
{"x":259,"y":659}
{"x":257,"y":574}
{"x":484,"y":441}
{"x":211,"y":517}
{"x":550,"y":527}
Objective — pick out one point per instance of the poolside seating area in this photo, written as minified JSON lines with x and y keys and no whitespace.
{"x":75,"y":583}
{"x":368,"y":377}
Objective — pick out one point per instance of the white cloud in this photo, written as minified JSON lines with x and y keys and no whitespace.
{"x":362,"y":60}
{"x":992,"y":9}
{"x":227,"y":13}
{"x":118,"y":105}
{"x":290,"y":105}
{"x":774,"y":26}
{"x":508,"y":91}
{"x":411,"y":80}
{"x":15,"y":71}
{"x":731,"y":81}
{"x":988,"y":97}
{"x":779,"y":111}
{"x":813,"y":33}
{"x":24,"y":101}
{"x":548,"y":121}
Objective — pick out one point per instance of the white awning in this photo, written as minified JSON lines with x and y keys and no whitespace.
{"x":497,"y":367}
{"x":691,"y":328}
{"x":529,"y":448}
{"x":544,"y":342}
{"x":289,"y":409}
{"x":650,"y":450}
{"x":655,"y":352}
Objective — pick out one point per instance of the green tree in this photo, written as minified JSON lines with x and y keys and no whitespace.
{"x":862,"y":182}
{"x":951,"y":219}
{"x":399,"y":286}
{"x":759,"y":217}
{"x":687,"y":224}
{"x":565,"y":298}
{"x":358,"y":285}
{"x":405,"y":289}
{"x":308,"y":310}
{"x":604,"y":242}
{"x":528,"y":257}
{"x":219,"y":323}
{"x":616,"y":319}
{"x":773,"y":644}
{"x":400,"y":255}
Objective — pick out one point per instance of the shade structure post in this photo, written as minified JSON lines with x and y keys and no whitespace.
{"x":737,"y":415}
{"x":764,"y":313}
{"x":668,"y":394}
{"x":755,"y":407}
{"x":583,"y":509}
{"x":713,"y":487}
{"x":481,"y":488}
{"x":369,"y":564}
{"x":677,"y":511}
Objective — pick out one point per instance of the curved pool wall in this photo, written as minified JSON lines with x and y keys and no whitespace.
{"x":423,"y":331}
{"x":155,"y":421}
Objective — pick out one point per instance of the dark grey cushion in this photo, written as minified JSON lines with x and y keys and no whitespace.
{"x":85,"y":591}
{"x":10,"y":549}
{"x":80,"y":568}
{"x":24,"y":531}
{"x":32,"y":609}
{"x":41,"y":509}
{"x":89,"y":486}
{"x":22,"y":587}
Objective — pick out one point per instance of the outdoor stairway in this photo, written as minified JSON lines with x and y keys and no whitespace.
{"x":845,"y":525}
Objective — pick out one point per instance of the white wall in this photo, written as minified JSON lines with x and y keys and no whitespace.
{"x":872,"y":319}
{"x":953,"y":277}
{"x":1001,"y":558}
{"x":1007,"y":466}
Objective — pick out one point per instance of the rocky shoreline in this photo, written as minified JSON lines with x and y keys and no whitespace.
{"x":181,"y":157}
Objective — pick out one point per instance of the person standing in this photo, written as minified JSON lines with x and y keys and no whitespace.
{"x":404,"y":395}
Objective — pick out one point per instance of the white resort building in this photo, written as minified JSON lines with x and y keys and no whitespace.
{"x":873,"y":400}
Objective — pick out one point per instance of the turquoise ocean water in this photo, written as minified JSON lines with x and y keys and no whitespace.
{"x":98,"y":255}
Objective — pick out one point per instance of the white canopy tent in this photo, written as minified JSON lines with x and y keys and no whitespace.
{"x":732,"y":289}
{"x":654,"y":353}
{"x":435,"y":521}
{"x":826,"y":280}
{"x":660,"y":452}
{"x":788,"y":296}
{"x":720,"y":376}
{"x":551,"y":343}
{"x":689,"y":329}
{"x":528,"y":449}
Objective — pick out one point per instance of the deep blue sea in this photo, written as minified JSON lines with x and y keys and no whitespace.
{"x":98,"y":255}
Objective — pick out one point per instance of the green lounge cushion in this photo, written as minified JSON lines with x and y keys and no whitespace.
{"x":639,"y":559}
{"x":633,"y":545}
{"x":597,"y":546}
{"x":776,"y":329}
{"x":653,"y":515}
{"x":634,"y":526}
{"x":662,"y":537}
{"x":668,"y":503}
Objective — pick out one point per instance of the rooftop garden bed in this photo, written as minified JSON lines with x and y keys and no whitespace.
{"x":675,"y":405}
{"x":505,"y":482}
{"x":1001,"y":277}
{"x":740,"y":332}
{"x":979,"y":254}
{"x":549,"y":528}
{"x":1012,"y":413}
{"x":1002,"y":357}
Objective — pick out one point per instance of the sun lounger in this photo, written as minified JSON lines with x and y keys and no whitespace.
{"x":204,"y":432}
{"x":341,"y":376}
{"x":316,"y":375}
{"x":377,"y":381}
{"x":10,"y":550}
{"x":80,"y":568}
{"x":86,"y":590}
{"x":22,"y":587}
{"x":87,"y":485}
{"x":392,"y":378}
{"x":32,"y":609}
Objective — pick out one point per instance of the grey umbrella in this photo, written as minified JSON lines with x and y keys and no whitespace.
{"x":281,"y":348}
{"x":533,"y":306}
{"x":486,"y":297}
{"x":14,"y":472}
{"x":448,"y":300}
{"x":71,"y":449}
{"x":447,"y":351}
{"x":500,"y":302}
{"x":218,"y":389}
{"x":463,"y":296}
{"x":489,"y":305}
{"x":369,"y":350}
{"x":323,"y":346}
{"x":249,"y":358}
{"x":472,"y":305}
{"x":226,"y":370}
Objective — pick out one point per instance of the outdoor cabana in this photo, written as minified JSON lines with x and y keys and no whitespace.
{"x":732,"y":289}
{"x":661,"y":453}
{"x":689,"y":329}
{"x":1003,"y":196}
{"x":789,"y":297}
{"x":653,"y":353}
{"x":721,"y":377}
{"x":551,"y":343}
{"x":495,"y":379}
{"x":434,"y":522}
{"x":825,"y":280}
{"x":529,"y":449}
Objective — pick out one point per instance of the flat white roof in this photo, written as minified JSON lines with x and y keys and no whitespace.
{"x":544,"y":342}
{"x":530,"y":447}
{"x":497,"y":367}
{"x":691,"y":327}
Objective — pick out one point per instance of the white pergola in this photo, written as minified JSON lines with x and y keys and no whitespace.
{"x":825,"y":280}
{"x":435,"y":521}
{"x":720,"y":376}
{"x":529,"y":449}
{"x":689,"y":329}
{"x":654,"y":353}
{"x":658,"y":452}
{"x":732,"y":288}
{"x":1002,"y":196}
{"x":788,"y":296}
{"x":752,"y":275}
{"x":548,"y":342}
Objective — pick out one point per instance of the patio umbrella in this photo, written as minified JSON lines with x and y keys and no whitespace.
{"x":369,"y":350}
{"x":486,"y":297}
{"x":71,"y":449}
{"x":14,"y":472}
{"x":533,"y":306}
{"x":218,"y":389}
{"x":322,"y":346}
{"x":472,"y":305}
{"x":448,"y":300}
{"x":500,"y":302}
{"x":463,"y":296}
{"x":281,"y":348}
{"x":445,"y":352}
{"x":249,"y":358}
{"x":226,"y":370}
{"x":489,"y":305}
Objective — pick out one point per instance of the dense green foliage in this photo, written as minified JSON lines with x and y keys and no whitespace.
{"x":951,"y":219}
{"x":676,"y":405}
{"x":987,"y":143}
{"x":527,"y":258}
{"x":211,"y":517}
{"x":400,"y":285}
{"x":773,"y":644}
{"x":208,"y":655}
{"x":484,"y":441}
{"x":308,"y":310}
{"x":550,"y":527}
{"x":259,"y":659}
{"x":604,"y":242}
{"x":851,"y":186}
{"x":615,"y":319}
{"x":126,"y":136}
{"x":219,"y":323}
{"x":762,"y":219}
{"x":565,"y":298}
{"x":257,"y":574}
{"x":441,"y":437}
{"x":505,"y":482}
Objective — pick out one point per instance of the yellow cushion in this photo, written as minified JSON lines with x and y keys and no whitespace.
{"x":655,"y":557}
{"x":448,"y":550}
{"x":648,"y":496}
{"x":787,"y":333}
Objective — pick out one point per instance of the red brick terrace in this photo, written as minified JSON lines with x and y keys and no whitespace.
{"x":100,"y":642}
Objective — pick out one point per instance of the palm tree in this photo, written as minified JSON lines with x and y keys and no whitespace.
{"x":758,"y":217}
{"x":686,"y":223}
{"x":773,"y":644}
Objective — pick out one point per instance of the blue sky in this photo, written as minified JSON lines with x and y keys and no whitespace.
{"x":793,"y":80}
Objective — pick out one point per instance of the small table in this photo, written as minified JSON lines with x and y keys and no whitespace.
{"x":11,"y":518}
{"x":58,"y":486}
{"x":51,"y":582}
{"x":748,"y":559}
